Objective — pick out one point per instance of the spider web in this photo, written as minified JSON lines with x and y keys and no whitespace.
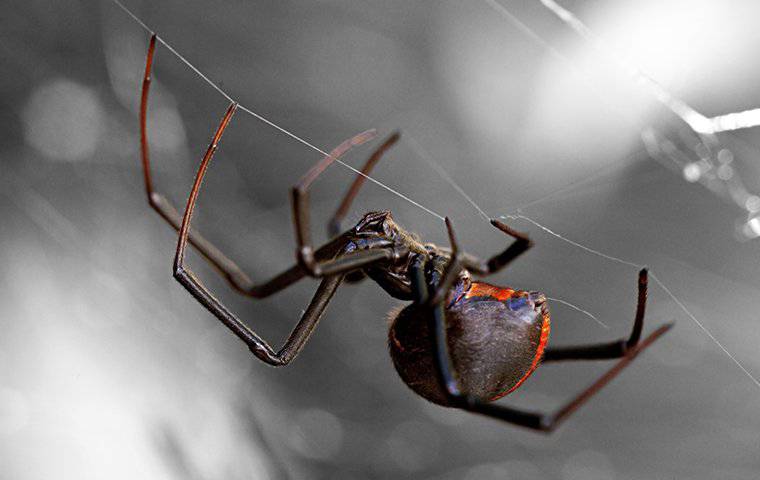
{"x":699,"y":124}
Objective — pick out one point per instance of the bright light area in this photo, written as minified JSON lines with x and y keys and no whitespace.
{"x":752,"y":228}
{"x":735,"y":121}
{"x":670,"y":40}
{"x":692,"y":172}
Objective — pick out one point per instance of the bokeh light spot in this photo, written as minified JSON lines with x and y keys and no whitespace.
{"x":63,"y":120}
{"x":752,"y":228}
{"x":166,"y":130}
{"x":588,"y":465}
{"x":316,"y":434}
{"x":725,"y":172}
{"x":692,"y":172}
{"x":413,"y":445}
{"x":752,"y":203}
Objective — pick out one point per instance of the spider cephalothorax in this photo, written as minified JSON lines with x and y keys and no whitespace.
{"x":460,"y":343}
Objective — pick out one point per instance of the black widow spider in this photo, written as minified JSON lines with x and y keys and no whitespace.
{"x":461,"y":343}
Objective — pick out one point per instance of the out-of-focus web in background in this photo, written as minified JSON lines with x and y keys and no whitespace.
{"x":721,"y":179}
{"x":701,"y":157}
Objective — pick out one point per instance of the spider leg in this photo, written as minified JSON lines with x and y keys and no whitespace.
{"x":496,"y":263}
{"x":333,"y":270}
{"x":259,"y":347}
{"x":335,"y":226}
{"x":626,"y":350}
{"x":452,"y":269}
{"x":305,"y":254}
{"x":234,"y":275}
{"x":420,"y":292}
{"x":533,"y":420}
{"x":238,"y":279}
{"x":601,"y":351}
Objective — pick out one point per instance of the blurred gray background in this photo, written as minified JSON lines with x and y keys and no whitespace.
{"x":109,"y":369}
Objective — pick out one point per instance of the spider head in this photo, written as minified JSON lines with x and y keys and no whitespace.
{"x":381,"y":225}
{"x":376,"y":223}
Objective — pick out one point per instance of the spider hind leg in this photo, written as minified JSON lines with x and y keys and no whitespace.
{"x":626,"y":350}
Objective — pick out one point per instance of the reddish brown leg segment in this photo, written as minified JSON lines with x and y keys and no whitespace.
{"x":626,"y":350}
{"x":334,"y":227}
{"x":229,"y":269}
{"x":300,"y":196}
{"x":333,"y":271}
{"x":601,"y":351}
{"x":520,"y":245}
{"x":549,"y":422}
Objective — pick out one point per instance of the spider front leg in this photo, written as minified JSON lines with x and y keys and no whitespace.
{"x":305,"y":254}
{"x":333,"y":270}
{"x":334,"y":227}
{"x":234,"y":275}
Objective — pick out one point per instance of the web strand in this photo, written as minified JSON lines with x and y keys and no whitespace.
{"x":579,"y":309}
{"x":421,"y":153}
{"x":267,"y":121}
{"x":442,"y":173}
{"x":699,"y":324}
{"x":575,"y":244}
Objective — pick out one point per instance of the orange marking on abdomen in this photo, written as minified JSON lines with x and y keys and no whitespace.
{"x":479,"y":289}
{"x":545,"y":328}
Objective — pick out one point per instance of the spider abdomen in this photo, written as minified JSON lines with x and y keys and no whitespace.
{"x":496,"y":339}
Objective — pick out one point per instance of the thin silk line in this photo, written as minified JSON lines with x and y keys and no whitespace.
{"x":575,"y":307}
{"x":269,"y":122}
{"x":422,"y":153}
{"x":440,"y":170}
{"x":572,"y":187}
{"x":526,"y":30}
{"x":193,"y":68}
{"x":699,"y":324}
{"x":575,"y":244}
{"x":434,"y":165}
